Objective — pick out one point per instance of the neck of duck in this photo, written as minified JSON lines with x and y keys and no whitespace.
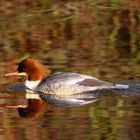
{"x":32,"y":84}
{"x":35,"y":77}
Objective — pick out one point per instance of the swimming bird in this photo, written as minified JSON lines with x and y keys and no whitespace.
{"x":62,"y":88}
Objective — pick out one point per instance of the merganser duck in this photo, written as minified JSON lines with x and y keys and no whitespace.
{"x":61,"y":88}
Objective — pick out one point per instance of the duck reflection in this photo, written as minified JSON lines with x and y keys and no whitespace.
{"x":33,"y":109}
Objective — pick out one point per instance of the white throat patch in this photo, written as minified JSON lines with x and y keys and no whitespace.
{"x":32,"y":84}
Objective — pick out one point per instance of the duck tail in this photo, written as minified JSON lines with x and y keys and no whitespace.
{"x":127,"y":90}
{"x":124,"y":90}
{"x":120,"y":86}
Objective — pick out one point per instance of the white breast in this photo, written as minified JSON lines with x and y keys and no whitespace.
{"x":32,"y":84}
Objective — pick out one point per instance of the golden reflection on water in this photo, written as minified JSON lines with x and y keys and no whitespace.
{"x":91,"y":37}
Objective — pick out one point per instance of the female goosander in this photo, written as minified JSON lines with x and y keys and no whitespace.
{"x":70,"y":89}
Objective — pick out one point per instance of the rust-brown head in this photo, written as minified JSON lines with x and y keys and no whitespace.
{"x":32,"y":68}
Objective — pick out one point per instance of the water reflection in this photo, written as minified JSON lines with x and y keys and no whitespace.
{"x":33,"y":109}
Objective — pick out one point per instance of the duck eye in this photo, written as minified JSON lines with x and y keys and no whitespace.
{"x":21,"y":69}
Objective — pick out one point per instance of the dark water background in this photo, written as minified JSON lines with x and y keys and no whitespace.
{"x":99,"y":38}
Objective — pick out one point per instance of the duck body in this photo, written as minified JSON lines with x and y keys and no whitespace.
{"x":65,"y":89}
{"x":66,"y":84}
{"x":62,"y":88}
